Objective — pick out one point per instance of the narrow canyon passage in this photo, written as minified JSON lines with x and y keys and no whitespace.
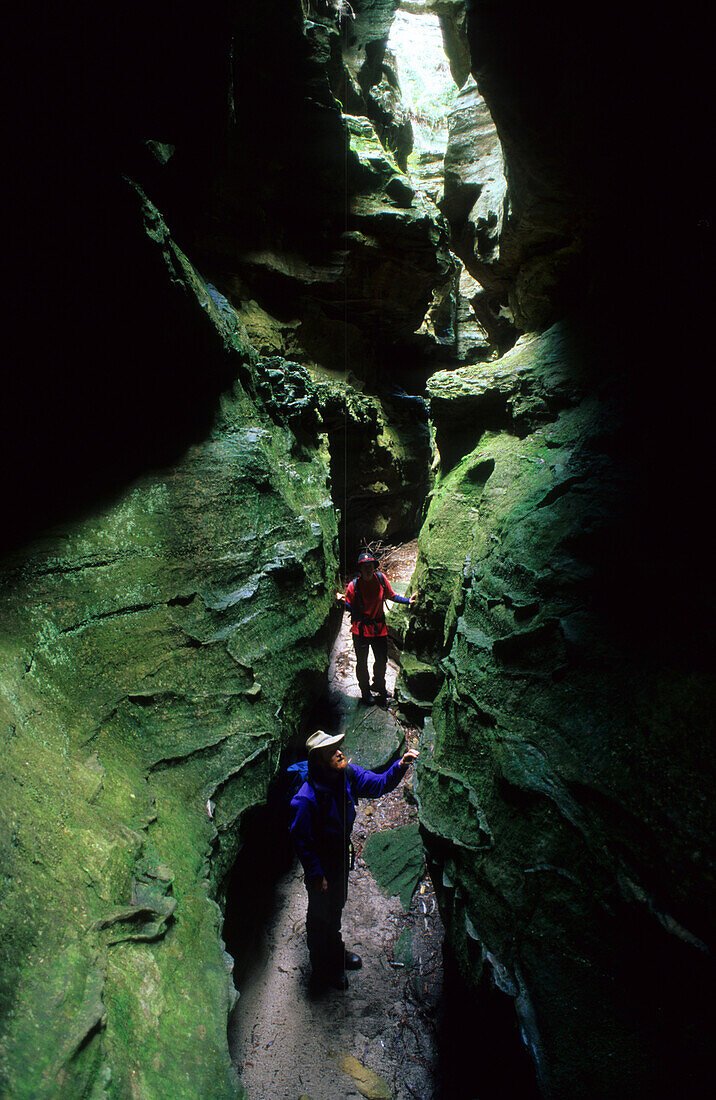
{"x":291,"y":277}
{"x":286,"y":1044}
{"x":379,"y":1038}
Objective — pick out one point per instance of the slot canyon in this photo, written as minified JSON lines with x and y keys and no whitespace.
{"x":289,"y":278}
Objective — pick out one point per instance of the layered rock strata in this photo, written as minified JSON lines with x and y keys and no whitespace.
{"x":475,"y":203}
{"x":561,"y":789}
{"x":565,"y":587}
{"x":156,"y":657}
{"x":345,"y":234}
{"x":378,"y":436}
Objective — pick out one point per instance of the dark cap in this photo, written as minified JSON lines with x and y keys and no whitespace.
{"x":367,"y":556}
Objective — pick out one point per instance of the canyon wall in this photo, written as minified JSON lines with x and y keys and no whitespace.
{"x":178,"y":382}
{"x":559,"y":655}
{"x":564,"y":791}
{"x":219,"y":279}
{"x":157,"y":655}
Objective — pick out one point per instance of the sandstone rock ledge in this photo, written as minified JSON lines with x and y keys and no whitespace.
{"x":156,"y":657}
{"x":561,"y":786}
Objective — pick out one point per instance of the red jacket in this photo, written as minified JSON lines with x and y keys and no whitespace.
{"x":365,"y":599}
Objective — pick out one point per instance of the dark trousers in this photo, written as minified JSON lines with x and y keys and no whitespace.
{"x":380,"y":660}
{"x":323,"y":926}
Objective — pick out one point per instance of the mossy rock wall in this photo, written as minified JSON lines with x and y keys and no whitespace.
{"x":156,"y":657}
{"x":380,"y":462}
{"x":563,"y":792}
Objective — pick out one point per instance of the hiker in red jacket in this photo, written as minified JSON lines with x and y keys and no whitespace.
{"x":364,"y":599}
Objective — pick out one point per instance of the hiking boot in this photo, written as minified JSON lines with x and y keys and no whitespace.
{"x":352,"y":961}
{"x":367,"y":698}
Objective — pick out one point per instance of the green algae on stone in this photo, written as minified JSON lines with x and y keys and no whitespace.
{"x":375,"y":165}
{"x":541,"y":783}
{"x":449,"y":807}
{"x":373,"y":736}
{"x":395,"y":859}
{"x":157,"y":655}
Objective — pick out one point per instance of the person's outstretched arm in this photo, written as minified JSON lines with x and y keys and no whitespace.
{"x":374,"y":784}
{"x":348,"y":597}
{"x":389,"y":594}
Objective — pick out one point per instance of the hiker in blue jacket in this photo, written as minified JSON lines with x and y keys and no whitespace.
{"x":324,"y":811}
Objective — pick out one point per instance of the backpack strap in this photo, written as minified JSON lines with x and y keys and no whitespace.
{"x":357,"y":601}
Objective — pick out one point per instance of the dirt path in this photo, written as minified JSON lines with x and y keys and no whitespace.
{"x":288,"y":1046}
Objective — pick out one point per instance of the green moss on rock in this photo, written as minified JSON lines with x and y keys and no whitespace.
{"x":558,"y":749}
{"x":395,"y":858}
{"x":156,"y":657}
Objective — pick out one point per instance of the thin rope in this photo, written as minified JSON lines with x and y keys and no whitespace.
{"x":346,"y":838}
{"x":345,"y":352}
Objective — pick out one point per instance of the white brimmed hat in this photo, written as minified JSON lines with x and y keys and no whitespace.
{"x":321,"y":740}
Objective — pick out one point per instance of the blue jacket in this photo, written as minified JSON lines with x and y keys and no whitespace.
{"x":324,"y":816}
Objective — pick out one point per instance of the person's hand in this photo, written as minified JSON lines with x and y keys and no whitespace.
{"x":340,"y":597}
{"x":413,"y":598}
{"x":409,"y":756}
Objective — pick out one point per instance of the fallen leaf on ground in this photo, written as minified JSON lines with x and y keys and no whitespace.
{"x":369,"y":1084}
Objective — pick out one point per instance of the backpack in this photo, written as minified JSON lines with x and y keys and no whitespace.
{"x":357,"y":615}
{"x":296,"y":776}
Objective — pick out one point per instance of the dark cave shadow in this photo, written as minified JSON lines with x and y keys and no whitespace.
{"x":481,"y":1052}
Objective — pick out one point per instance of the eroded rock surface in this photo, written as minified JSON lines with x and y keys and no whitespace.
{"x":345,"y":232}
{"x":156,"y":657}
{"x":562,"y":800}
{"x":380,"y":451}
{"x":164,"y":643}
{"x":160,"y":645}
